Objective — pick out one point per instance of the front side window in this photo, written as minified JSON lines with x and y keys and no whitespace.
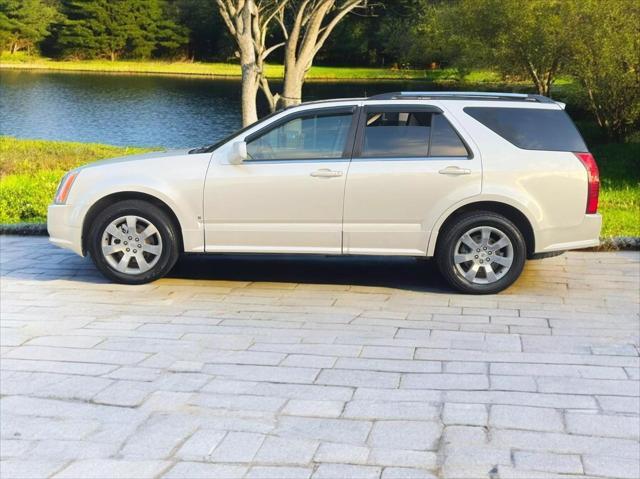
{"x":316,"y":136}
{"x":396,"y":134}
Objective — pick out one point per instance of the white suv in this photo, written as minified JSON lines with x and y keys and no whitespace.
{"x":481,"y":181}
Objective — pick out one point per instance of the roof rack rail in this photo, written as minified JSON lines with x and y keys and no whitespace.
{"x":461,"y":95}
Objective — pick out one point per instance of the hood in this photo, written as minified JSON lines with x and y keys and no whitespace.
{"x":143,"y":156}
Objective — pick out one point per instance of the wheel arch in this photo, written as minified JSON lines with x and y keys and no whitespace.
{"x":113,"y":198}
{"x":513,"y":214}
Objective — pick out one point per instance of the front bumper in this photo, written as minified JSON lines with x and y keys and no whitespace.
{"x":584,"y":235}
{"x":62,"y":229}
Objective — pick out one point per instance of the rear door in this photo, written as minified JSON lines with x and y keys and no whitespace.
{"x":409,"y":165}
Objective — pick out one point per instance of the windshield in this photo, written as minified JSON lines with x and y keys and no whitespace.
{"x":211,"y":148}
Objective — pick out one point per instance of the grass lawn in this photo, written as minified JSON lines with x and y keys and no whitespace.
{"x":619,"y":165}
{"x":21,"y":61}
{"x":30,"y":171}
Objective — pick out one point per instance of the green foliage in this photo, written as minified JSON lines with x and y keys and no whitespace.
{"x":117,"y":28}
{"x":379,"y":36}
{"x":606,"y":61}
{"x":31,"y":169}
{"x":208,"y":38}
{"x":24,"y":23}
{"x":26,"y":197}
{"x":619,"y":165}
{"x":523,"y":39}
{"x":18,"y":156}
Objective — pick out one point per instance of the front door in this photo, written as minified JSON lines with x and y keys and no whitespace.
{"x":288,"y":196}
{"x":408,"y":167}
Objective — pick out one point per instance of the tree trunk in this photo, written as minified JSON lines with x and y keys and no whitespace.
{"x":250,"y":87}
{"x":250,"y":70}
{"x":292,"y":88}
{"x":543,"y":88}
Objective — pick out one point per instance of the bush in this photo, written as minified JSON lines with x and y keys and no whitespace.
{"x":26,"y":197}
{"x":31,"y":169}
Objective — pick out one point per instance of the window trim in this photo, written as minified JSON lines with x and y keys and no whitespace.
{"x":359,"y":139}
{"x":328,"y":111}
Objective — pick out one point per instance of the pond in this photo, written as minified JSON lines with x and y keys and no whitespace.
{"x":140,"y":110}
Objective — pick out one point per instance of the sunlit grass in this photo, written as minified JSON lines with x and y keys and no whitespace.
{"x":233,"y":70}
{"x":619,"y":165}
{"x":31,"y":169}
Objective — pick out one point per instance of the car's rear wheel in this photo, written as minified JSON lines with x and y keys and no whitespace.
{"x":481,"y":253}
{"x":133,"y":242}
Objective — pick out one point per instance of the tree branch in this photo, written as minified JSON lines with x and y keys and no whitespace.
{"x":269,"y":50}
{"x":346,"y":8}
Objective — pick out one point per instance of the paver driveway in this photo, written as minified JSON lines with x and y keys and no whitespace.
{"x":260,"y":367}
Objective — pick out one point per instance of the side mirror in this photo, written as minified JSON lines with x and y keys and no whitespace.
{"x":238,"y":153}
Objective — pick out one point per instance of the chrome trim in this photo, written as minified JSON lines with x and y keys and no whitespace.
{"x":414,"y":158}
{"x":294,"y":160}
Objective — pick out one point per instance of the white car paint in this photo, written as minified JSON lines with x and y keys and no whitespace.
{"x":362,"y":206}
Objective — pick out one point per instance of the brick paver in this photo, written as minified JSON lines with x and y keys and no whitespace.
{"x":255,"y":367}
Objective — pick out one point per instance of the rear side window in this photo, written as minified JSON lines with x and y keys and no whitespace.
{"x":410,"y":134}
{"x":530,"y":128}
{"x":399,"y":134}
{"x":444,"y":139}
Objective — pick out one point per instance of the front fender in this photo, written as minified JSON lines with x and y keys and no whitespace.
{"x":181,"y":189}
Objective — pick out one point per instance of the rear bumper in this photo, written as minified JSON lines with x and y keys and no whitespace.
{"x":584,"y":235}
{"x":62,"y":230}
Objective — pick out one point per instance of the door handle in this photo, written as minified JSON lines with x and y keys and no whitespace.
{"x":326,"y":173}
{"x":454,"y":171}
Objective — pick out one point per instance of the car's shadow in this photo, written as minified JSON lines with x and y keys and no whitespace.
{"x":50,"y":264}
{"x":383,"y":271}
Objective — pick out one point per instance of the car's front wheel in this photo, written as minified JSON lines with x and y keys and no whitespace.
{"x":481,"y":253}
{"x":133,"y":242}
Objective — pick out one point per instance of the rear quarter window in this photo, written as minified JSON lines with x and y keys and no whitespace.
{"x":531,"y":128}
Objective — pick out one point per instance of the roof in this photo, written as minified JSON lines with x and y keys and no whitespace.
{"x":461,"y":95}
{"x":445,"y":95}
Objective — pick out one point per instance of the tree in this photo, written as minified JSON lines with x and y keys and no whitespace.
{"x":150,"y":29}
{"x":306,"y":26}
{"x":248,"y":23}
{"x":606,"y":61}
{"x":24,"y":23}
{"x":531,"y":38}
{"x":208,"y":38}
{"x":117,"y":28}
{"x":92,"y":28}
{"x":379,"y":35}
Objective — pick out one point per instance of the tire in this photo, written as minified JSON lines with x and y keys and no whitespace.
{"x":115,"y":251}
{"x":471,"y":256}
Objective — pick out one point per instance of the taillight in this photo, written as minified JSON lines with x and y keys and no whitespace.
{"x":593,"y":176}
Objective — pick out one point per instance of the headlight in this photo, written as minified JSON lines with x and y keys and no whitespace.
{"x":65,"y":187}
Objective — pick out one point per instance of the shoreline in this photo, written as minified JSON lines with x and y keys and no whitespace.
{"x":224,"y":71}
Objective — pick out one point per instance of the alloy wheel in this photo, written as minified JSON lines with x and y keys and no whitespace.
{"x":131,"y":245}
{"x":483,"y":255}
